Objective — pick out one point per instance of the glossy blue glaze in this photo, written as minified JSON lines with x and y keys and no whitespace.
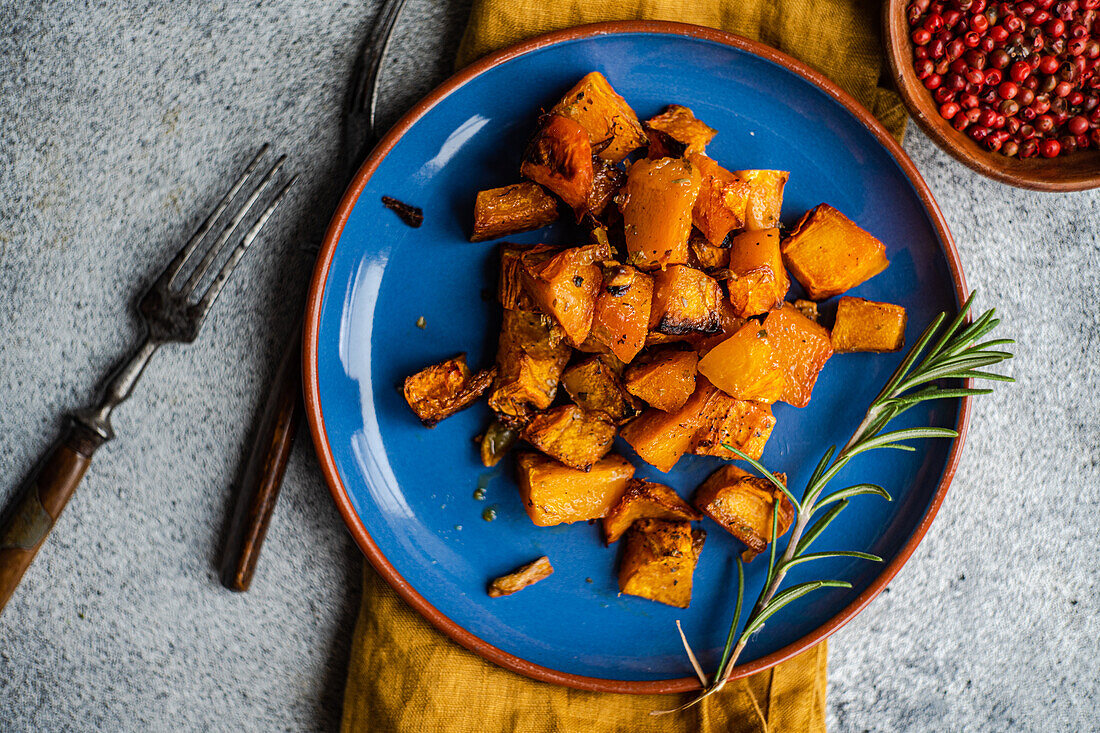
{"x":413,"y":488}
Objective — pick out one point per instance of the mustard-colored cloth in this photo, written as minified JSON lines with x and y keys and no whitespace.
{"x":406,"y":677}
{"x":839,"y":38}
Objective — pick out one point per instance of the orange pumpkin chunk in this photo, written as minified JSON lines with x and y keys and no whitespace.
{"x":746,"y":366}
{"x":607,"y":179}
{"x":706,"y":256}
{"x":864,"y":325}
{"x":722,"y":202}
{"x":621,"y":318}
{"x":665,"y":379}
{"x":659,"y":561}
{"x":765,"y":197}
{"x":656,"y":205}
{"x":575,"y":437}
{"x":758,"y":281}
{"x":728,"y":324}
{"x":803,"y":347}
{"x":519,"y":579}
{"x":660,"y":438}
{"x":521,"y":207}
{"x":742,"y":424}
{"x":594,"y":384}
{"x":829,"y":254}
{"x":553,"y":493}
{"x":744,"y":505}
{"x":612,"y":126}
{"x":685,"y":300}
{"x":565,"y":285}
{"x":681,"y":125}
{"x":529,"y":362}
{"x":645,"y":500}
{"x":559,"y":157}
{"x":443,"y":389}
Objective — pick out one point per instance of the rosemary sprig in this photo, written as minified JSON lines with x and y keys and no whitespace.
{"x":954,"y":354}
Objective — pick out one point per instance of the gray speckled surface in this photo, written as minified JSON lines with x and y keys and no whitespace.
{"x":119,"y":122}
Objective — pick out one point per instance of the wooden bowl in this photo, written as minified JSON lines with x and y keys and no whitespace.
{"x":1073,"y":172}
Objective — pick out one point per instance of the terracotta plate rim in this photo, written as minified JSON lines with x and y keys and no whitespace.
{"x":312,"y":324}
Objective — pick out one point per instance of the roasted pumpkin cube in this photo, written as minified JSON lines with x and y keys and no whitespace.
{"x":575,"y":437}
{"x":517,"y":580}
{"x":765,"y":197}
{"x":744,"y":505}
{"x":595,"y":385}
{"x":864,"y":325}
{"x":656,"y":204}
{"x":660,"y":438}
{"x":808,"y":308}
{"x":665,"y":378}
{"x":742,"y":424}
{"x":803,"y":347}
{"x":621,"y":318}
{"x":510,"y":289}
{"x":612,"y":126}
{"x":607,"y":179}
{"x":659,"y":561}
{"x":645,"y":500}
{"x":553,"y":493}
{"x":758,"y":281}
{"x":443,"y":389}
{"x":706,"y":256}
{"x":559,"y":157}
{"x":723,"y":199}
{"x":508,"y":210}
{"x":728,"y":324}
{"x":681,"y":124}
{"x":829,"y":254}
{"x":565,"y":285}
{"x":685,"y":300}
{"x":746,"y":366}
{"x":529,"y":363}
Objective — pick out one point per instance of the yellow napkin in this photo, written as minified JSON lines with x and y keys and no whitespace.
{"x":406,"y":676}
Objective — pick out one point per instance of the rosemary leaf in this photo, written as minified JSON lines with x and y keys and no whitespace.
{"x":856,"y":490}
{"x":791,"y":594}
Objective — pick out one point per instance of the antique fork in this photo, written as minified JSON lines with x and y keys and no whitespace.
{"x":173,"y":310}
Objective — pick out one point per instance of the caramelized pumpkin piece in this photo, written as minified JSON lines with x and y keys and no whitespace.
{"x":565,"y":285}
{"x":808,"y":308}
{"x":665,"y":379}
{"x":765,"y":197}
{"x":681,"y":125}
{"x":517,"y":580}
{"x":656,"y":204}
{"x":645,"y":500}
{"x":659,"y":561}
{"x":607,"y":179}
{"x":621,"y":318}
{"x":803,"y":347}
{"x":758,"y":281}
{"x":510,"y":290}
{"x":742,"y":424}
{"x":744,"y":505}
{"x":722,"y":202}
{"x":746,"y":366}
{"x":556,"y":494}
{"x":575,"y":437}
{"x":529,"y":363}
{"x":706,"y":256}
{"x":443,"y":389}
{"x":864,"y":325}
{"x":660,"y":438}
{"x":728,"y":324}
{"x":594,"y":385}
{"x":685,"y":300}
{"x":611,"y":125}
{"x":559,"y":157}
{"x":829,"y":254}
{"x":521,"y":207}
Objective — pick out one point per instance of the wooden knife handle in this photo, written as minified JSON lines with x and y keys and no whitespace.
{"x":264,"y":470}
{"x":39,"y":501}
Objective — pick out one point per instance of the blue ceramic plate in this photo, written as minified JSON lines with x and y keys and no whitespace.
{"x":407,"y":493}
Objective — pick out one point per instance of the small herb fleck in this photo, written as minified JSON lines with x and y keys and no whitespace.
{"x":578,"y":281}
{"x":421,"y":323}
{"x":588,"y":580}
{"x":680,"y":180}
{"x":458,"y":527}
{"x":489,"y":514}
{"x":479,"y":494}
{"x":762,"y":334}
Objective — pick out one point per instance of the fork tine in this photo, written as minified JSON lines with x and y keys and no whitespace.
{"x":227,"y":233}
{"x":222,"y":277}
{"x":173,"y":268}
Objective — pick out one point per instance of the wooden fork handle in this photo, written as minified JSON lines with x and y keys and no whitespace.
{"x":39,"y":501}
{"x":263,"y":474}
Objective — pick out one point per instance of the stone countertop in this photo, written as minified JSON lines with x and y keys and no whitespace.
{"x":118,"y":125}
